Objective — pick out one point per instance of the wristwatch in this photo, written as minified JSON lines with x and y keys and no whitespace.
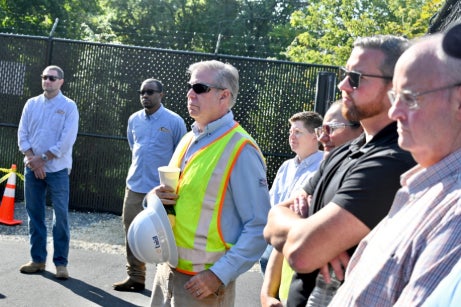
{"x":44,"y":157}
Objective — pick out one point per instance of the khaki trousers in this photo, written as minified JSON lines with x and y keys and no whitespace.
{"x":168,"y":291}
{"x":132,"y":205}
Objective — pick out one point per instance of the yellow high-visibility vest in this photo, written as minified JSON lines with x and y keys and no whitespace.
{"x":201,"y":189}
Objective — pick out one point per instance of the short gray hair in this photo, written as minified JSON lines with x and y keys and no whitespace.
{"x":226,"y":76}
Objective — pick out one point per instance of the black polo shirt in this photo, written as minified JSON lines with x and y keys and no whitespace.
{"x":360,"y":177}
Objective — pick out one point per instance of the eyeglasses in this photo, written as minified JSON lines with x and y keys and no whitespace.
{"x":51,"y":78}
{"x":410,"y":99}
{"x":330,"y":128}
{"x":354,"y":77}
{"x":200,"y":88}
{"x":148,"y":92}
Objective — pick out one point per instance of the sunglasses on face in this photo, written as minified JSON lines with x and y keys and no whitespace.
{"x":330,"y":128}
{"x":51,"y":78}
{"x":200,"y":88}
{"x":148,"y":92}
{"x":354,"y":77}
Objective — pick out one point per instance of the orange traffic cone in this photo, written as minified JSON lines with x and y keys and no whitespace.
{"x":7,"y":207}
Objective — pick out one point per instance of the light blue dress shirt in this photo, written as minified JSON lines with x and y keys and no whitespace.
{"x":49,"y":125}
{"x":152,"y":139}
{"x":292,"y":175}
{"x":246,"y":203}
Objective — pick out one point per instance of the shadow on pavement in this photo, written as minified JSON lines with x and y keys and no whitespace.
{"x":91,"y":293}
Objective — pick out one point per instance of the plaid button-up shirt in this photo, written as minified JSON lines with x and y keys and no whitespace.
{"x":404,"y":258}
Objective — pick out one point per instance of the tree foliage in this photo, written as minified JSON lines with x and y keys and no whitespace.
{"x":329,"y":27}
{"x":21,"y":16}
{"x":240,"y":27}
{"x":317,"y":31}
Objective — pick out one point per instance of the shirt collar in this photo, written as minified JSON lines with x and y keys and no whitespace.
{"x":448,"y":166}
{"x":213,"y":126}
{"x":47,"y":100}
{"x":154,"y":115}
{"x":359,"y":146}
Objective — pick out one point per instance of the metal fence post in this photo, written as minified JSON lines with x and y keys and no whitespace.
{"x":326,"y":91}
{"x":49,"y":49}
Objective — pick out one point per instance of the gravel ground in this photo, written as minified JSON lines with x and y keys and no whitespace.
{"x":91,"y":231}
{"x":101,"y":232}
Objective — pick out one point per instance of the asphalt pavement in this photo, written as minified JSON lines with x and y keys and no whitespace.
{"x":90,"y":284}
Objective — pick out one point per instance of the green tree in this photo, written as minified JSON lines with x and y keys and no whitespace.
{"x":330,"y":26}
{"x":20,"y":16}
{"x":238,"y":27}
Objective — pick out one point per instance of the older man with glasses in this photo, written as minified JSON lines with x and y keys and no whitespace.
{"x":354,"y":187}
{"x":46,"y":135}
{"x":403,"y":259}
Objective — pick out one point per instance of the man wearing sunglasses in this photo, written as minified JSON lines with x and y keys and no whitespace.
{"x":46,"y":134}
{"x":354,"y":187}
{"x":222,"y":197}
{"x":153,"y":134}
{"x":403,"y":259}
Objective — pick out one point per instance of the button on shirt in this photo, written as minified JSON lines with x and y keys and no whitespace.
{"x":49,"y":125}
{"x":152,"y":139}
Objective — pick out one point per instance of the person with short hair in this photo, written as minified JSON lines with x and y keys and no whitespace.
{"x":153,"y":134}
{"x":354,"y":187}
{"x":333,"y":132}
{"x":293,"y":172}
{"x":336,"y":130}
{"x":222,"y":198}
{"x":419,"y":242}
{"x":46,"y":135}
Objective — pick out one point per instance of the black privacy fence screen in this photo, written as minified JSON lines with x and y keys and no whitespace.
{"x":103,"y":79}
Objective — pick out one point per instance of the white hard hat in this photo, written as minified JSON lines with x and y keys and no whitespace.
{"x":150,"y":236}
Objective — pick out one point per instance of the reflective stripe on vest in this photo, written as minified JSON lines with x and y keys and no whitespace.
{"x":198,"y":232}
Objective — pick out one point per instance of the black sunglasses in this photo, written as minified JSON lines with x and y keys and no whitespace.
{"x":200,"y":88}
{"x":148,"y":92}
{"x":51,"y":78}
{"x":354,"y":76}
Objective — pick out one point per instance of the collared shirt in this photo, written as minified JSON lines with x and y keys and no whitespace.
{"x":49,"y":125}
{"x":374,"y":166}
{"x":152,"y":139}
{"x":404,"y":258}
{"x":292,"y":175}
{"x":246,"y":203}
{"x":360,"y":177}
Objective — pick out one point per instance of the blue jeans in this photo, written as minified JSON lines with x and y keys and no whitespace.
{"x":57,"y":184}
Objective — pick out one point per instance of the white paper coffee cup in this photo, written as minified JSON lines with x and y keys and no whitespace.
{"x":169,"y":176}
